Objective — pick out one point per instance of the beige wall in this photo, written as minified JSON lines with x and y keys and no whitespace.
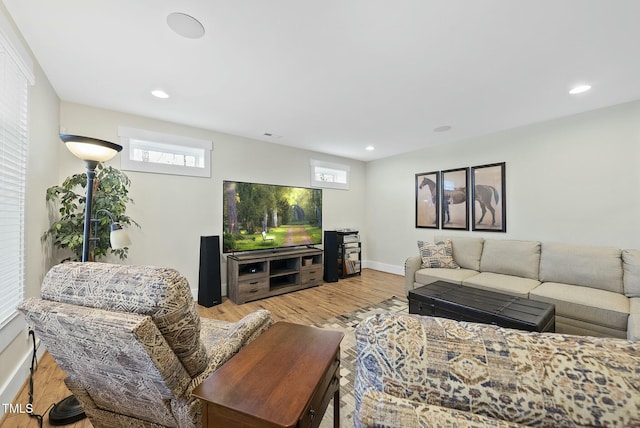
{"x":174,"y":211}
{"x":569,"y":180}
{"x":42,"y":170}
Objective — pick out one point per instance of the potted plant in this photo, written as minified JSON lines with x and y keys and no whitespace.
{"x":110,"y":193}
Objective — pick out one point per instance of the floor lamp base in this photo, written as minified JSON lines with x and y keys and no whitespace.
{"x":66,"y":412}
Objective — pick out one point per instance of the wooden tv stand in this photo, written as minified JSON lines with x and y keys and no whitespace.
{"x":253,"y":276}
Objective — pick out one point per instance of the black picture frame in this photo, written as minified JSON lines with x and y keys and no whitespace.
{"x":427,"y":193}
{"x":489,"y":210}
{"x":454,"y":200}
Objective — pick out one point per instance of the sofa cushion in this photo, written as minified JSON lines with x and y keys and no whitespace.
{"x":507,"y":284}
{"x":633,"y":327}
{"x":438,"y":255}
{"x":161,"y":293}
{"x":566,"y":325}
{"x":466,"y":251}
{"x":631,"y":266}
{"x":378,"y":409}
{"x":588,"y":304}
{"x":456,"y":276}
{"x":511,"y":257}
{"x":634,"y":306}
{"x":595,"y":267}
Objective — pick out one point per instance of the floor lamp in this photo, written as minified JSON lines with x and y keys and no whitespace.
{"x":92,"y":151}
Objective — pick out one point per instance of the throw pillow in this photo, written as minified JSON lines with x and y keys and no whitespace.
{"x":438,"y":255}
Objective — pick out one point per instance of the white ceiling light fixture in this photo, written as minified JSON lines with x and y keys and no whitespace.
{"x":370,"y":148}
{"x":185,"y":25}
{"x":159,"y":93}
{"x":579,"y":89}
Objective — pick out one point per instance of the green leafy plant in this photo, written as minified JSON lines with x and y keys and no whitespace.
{"x":111,"y":193}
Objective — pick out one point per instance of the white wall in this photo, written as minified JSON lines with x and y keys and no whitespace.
{"x":174,"y":211}
{"x":573,"y":180}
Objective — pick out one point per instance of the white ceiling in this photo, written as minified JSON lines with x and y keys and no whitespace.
{"x":335,"y":76}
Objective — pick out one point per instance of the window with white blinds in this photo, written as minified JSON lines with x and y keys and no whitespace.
{"x":15,"y":77}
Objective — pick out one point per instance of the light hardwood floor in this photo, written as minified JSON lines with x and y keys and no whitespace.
{"x":311,"y":306}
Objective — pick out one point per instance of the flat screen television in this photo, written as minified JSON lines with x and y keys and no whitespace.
{"x":266,"y":216}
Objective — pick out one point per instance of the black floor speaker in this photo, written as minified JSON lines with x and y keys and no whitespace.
{"x":330,"y":256}
{"x":209,"y":286}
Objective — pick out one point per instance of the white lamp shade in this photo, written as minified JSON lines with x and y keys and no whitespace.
{"x":119,"y":237}
{"x":90,"y":149}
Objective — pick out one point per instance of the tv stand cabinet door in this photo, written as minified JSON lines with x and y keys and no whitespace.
{"x":311,"y":275}
{"x":253,"y":289}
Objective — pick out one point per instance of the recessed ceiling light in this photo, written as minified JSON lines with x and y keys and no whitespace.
{"x":159,"y":93}
{"x":370,"y":148}
{"x":185,"y":25}
{"x":443,"y":128}
{"x":579,"y":89}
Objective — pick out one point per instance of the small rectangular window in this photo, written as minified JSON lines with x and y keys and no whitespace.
{"x":149,"y":151}
{"x":329,"y":175}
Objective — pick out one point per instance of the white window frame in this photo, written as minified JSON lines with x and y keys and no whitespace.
{"x":132,"y":139}
{"x":16,"y":75}
{"x":330,"y":175}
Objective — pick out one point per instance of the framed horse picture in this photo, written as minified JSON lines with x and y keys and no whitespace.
{"x":427,"y":200}
{"x":454,"y":185}
{"x":489,"y":207}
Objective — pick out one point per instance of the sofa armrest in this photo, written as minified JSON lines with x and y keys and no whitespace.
{"x":411,"y":266}
{"x":633,"y":325}
{"x":223,"y":339}
{"x":532,"y":378}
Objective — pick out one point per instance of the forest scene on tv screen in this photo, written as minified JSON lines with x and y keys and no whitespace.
{"x":264,"y":216}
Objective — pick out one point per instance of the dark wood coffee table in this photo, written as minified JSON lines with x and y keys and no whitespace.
{"x":284,"y":378}
{"x":447,"y":300}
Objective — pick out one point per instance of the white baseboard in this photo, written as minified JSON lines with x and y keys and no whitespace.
{"x":223,"y":287}
{"x":398,"y":270}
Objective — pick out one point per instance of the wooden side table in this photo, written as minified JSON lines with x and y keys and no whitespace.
{"x":284,"y":378}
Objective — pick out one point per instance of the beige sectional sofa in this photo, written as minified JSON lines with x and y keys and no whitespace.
{"x":596,"y":290}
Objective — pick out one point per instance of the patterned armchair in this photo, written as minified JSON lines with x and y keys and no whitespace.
{"x":415,"y":371}
{"x":131,"y":341}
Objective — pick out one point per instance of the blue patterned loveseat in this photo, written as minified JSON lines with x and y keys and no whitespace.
{"x":415,"y":371}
